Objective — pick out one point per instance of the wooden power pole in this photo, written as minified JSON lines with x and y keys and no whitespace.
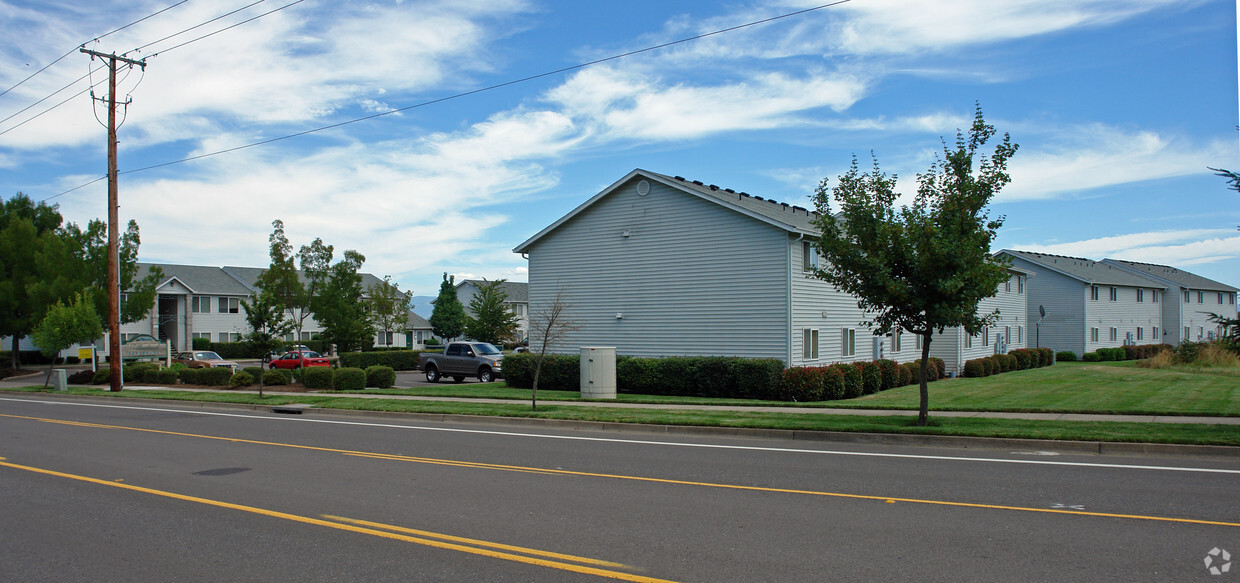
{"x":114,"y":267}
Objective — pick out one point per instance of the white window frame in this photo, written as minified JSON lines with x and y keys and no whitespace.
{"x":809,"y":256}
{"x":1093,"y":334}
{"x":1093,"y":293}
{"x":809,"y":343}
{"x":1114,"y":294}
{"x":1114,"y":335}
{"x":848,"y":342}
{"x":1140,"y":295}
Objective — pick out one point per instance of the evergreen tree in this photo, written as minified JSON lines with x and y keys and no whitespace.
{"x":448,"y":316}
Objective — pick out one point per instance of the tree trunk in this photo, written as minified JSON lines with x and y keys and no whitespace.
{"x":923,"y":412}
{"x":48,"y":380}
{"x":16,"y":350}
{"x":534,"y":398}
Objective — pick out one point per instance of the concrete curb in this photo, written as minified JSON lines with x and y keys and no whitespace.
{"x":901,"y":439}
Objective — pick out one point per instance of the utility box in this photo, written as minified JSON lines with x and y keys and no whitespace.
{"x":60,"y":379}
{"x":598,"y":372}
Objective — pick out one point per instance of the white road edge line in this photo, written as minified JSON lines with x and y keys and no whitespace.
{"x":648,"y":442}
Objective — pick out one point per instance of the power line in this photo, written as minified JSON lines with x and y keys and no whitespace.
{"x":79,"y":79}
{"x":467,"y":93}
{"x":100,"y":37}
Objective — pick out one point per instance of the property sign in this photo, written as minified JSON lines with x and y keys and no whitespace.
{"x":144,"y":346}
{"x":85,"y":354}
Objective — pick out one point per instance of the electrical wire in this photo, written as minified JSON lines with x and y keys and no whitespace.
{"x":199,"y":25}
{"x":174,"y":47}
{"x":74,"y":49}
{"x":462,"y":94}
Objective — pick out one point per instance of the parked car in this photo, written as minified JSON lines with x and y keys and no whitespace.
{"x":204,"y":359}
{"x":278,"y":353}
{"x":463,"y":359}
{"x":297,"y":359}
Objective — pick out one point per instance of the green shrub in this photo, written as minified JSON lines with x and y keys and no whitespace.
{"x":891,"y":374}
{"x":275,"y":378}
{"x":1003,"y":362}
{"x":940,"y":367}
{"x":757,"y":377}
{"x":102,"y":376}
{"x":217,"y":376}
{"x":1048,"y":356}
{"x":349,"y":379}
{"x":853,"y":383}
{"x":906,"y":375}
{"x":136,"y":372}
{"x":1091,"y":357}
{"x":231,"y":350}
{"x":318,"y":378}
{"x":973,"y":368}
{"x":241,"y":379}
{"x":801,"y":385}
{"x":84,"y":377}
{"x":396,"y":359}
{"x":166,"y":376}
{"x":871,"y":377}
{"x":189,"y":376}
{"x":380,"y":377}
{"x":988,"y":366}
{"x":201,"y":344}
{"x":638,"y":376}
{"x":1065,"y":356}
{"x":1022,"y":358}
{"x":254,"y":371}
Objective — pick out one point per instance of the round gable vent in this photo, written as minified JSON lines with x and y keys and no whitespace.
{"x":643,"y":188}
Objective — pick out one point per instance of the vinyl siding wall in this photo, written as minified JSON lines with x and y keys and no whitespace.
{"x":1195,"y":314}
{"x":1010,"y":302}
{"x":691,"y":277}
{"x":1125,"y":314}
{"x":818,"y":305}
{"x":1064,"y":297}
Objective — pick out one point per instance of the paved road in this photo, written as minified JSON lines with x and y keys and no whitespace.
{"x":133,"y":492}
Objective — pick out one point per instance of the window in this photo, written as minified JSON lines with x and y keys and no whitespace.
{"x":1114,"y":294}
{"x":809,"y":344}
{"x":1007,"y":285}
{"x":809,"y":257}
{"x":385,"y":338}
{"x":1093,"y":334}
{"x":1140,"y":295}
{"x":986,"y":336}
{"x":1187,"y":298}
{"x":917,"y":342}
{"x":1020,"y":334}
{"x":1154,"y":295}
{"x":1114,"y":334}
{"x":230,"y":305}
{"x":230,"y":337}
{"x":1188,"y":333}
{"x":200,"y":304}
{"x":896,"y":340}
{"x":309,"y":336}
{"x":1093,"y":292}
{"x":1220,"y":298}
{"x":291,"y":336}
{"x":968,"y":341}
{"x":1140,"y":333}
{"x":1155,"y":335}
{"x":1231,"y":299}
{"x":206,"y":335}
{"x":1020,"y":284}
{"x":1007,"y":334}
{"x":1201,"y":297}
{"x":848,"y":342}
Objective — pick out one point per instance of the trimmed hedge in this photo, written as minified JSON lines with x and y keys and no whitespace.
{"x":318,"y":377}
{"x":1065,"y":356}
{"x":241,"y":379}
{"x":349,"y":379}
{"x":396,"y":359}
{"x":854,"y":385}
{"x":215,"y":376}
{"x":891,"y":374}
{"x":871,"y":377}
{"x":906,"y":375}
{"x":380,"y":377}
{"x":699,"y":376}
{"x":275,"y":378}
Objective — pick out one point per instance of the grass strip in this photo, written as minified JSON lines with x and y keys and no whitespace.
{"x":1182,"y":433}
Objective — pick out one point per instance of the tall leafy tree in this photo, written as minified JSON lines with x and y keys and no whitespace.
{"x":491,"y":322}
{"x":26,"y":231}
{"x":282,"y":281}
{"x":316,"y":262}
{"x":266,"y":316}
{"x":89,"y":248}
{"x":448,"y":316}
{"x":389,"y":307}
{"x":921,"y":268}
{"x":340,"y":307}
{"x":65,"y":324}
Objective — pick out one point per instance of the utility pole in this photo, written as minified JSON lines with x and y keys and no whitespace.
{"x":114,"y":267}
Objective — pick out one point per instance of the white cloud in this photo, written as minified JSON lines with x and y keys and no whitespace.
{"x":1177,"y":248}
{"x":1098,"y":156}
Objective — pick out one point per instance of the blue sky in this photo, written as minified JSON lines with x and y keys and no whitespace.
{"x":1119,"y":107}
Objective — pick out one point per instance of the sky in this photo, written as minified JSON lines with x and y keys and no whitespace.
{"x":1119,"y":108}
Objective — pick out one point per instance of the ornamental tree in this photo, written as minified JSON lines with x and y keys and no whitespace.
{"x":921,"y":268}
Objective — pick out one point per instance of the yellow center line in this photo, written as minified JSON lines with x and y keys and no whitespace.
{"x":344,"y":524}
{"x":510,"y":468}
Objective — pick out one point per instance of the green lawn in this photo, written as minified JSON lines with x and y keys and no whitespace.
{"x":1184,"y":433}
{"x":1066,"y":387}
{"x":1076,"y":387}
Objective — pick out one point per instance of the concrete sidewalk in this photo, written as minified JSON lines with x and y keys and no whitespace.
{"x":37,"y":379}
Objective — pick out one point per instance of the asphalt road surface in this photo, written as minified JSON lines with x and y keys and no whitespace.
{"x":103,"y":490}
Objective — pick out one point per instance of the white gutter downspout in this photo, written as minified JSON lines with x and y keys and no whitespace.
{"x":790,"y":271}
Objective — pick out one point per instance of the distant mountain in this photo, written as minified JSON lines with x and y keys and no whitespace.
{"x":422,"y":305}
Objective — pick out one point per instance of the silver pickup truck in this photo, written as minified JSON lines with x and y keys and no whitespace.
{"x":463,"y":359}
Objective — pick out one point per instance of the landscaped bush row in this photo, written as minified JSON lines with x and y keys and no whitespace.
{"x":1018,"y":359}
{"x":396,"y":359}
{"x":699,"y":376}
{"x":1127,"y":352}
